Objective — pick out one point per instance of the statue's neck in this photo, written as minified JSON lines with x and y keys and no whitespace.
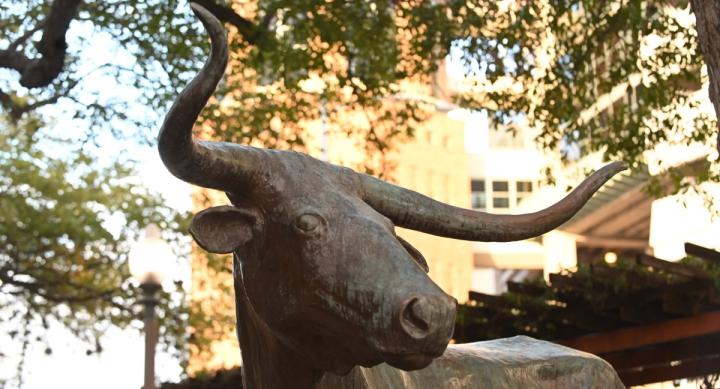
{"x":266,"y":362}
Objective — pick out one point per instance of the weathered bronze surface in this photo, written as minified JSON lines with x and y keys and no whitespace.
{"x":322,"y":283}
{"x":511,"y":363}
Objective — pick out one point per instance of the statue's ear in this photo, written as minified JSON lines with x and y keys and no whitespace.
{"x":223,"y":229}
{"x":415,"y":253}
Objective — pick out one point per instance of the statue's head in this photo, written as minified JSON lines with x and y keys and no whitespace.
{"x":315,"y":244}
{"x":326,"y":272}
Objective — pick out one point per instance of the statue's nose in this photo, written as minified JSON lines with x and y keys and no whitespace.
{"x":423,"y":316}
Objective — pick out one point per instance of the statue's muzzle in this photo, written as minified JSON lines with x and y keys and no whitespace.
{"x":423,"y":317}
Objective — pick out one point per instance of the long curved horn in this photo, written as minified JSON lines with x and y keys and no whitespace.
{"x":217,"y":165}
{"x":418,"y":212}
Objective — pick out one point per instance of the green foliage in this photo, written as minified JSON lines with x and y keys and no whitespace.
{"x":557,"y":57}
{"x":66,"y":229}
{"x":355,"y":47}
{"x":711,"y":268}
{"x":538,"y":309}
{"x":548,"y":64}
{"x":151,"y":49}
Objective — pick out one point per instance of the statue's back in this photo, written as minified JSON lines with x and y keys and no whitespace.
{"x":518,"y":362}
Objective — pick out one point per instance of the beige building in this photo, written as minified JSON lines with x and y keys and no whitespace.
{"x":436,"y":165}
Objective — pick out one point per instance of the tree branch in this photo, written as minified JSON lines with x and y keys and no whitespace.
{"x":707,"y":16}
{"x":227,"y":15}
{"x":16,"y":110}
{"x":52,"y":45}
{"x":13,"y":60}
{"x":37,"y":289}
{"x":42,"y":71}
{"x":24,"y":37}
{"x":264,"y":24}
{"x":6,"y":101}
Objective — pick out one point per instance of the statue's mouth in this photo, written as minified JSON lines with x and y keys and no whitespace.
{"x":408,"y":361}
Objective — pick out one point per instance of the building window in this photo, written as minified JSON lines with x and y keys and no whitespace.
{"x":501,"y":202}
{"x":523,"y":190}
{"x":501,"y":194}
{"x":478,"y":194}
{"x":500,"y":186}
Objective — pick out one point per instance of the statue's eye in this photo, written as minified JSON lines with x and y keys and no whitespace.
{"x":308,"y":223}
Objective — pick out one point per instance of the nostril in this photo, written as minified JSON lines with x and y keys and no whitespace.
{"x":416,"y":318}
{"x":417,"y":314}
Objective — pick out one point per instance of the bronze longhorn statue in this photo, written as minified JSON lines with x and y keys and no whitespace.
{"x":322,"y":283}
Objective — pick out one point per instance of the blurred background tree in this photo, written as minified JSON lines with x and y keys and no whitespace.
{"x":110,"y":69}
{"x":614,"y":77}
{"x":541,"y":62}
{"x":67,"y":226}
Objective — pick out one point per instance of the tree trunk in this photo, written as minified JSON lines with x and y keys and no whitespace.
{"x":707,"y":15}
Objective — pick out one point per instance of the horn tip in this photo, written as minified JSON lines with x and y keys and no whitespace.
{"x":197,"y":8}
{"x":611,"y":170}
{"x":618,"y":166}
{"x":203,"y":13}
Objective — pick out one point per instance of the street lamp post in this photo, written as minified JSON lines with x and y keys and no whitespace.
{"x":149,"y":260}
{"x":149,"y":301}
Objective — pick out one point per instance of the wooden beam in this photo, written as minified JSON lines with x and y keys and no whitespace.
{"x":525,"y":288}
{"x":611,"y":243}
{"x":672,"y":371}
{"x":639,"y":230}
{"x":635,"y":213}
{"x":671,"y":267}
{"x":585,"y":321}
{"x":612,"y":209}
{"x":578,"y":292}
{"x":691,"y":348}
{"x":563,"y":281}
{"x":642,"y":230}
{"x":628,"y":338}
{"x":638,"y":279}
{"x":702,"y":252}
